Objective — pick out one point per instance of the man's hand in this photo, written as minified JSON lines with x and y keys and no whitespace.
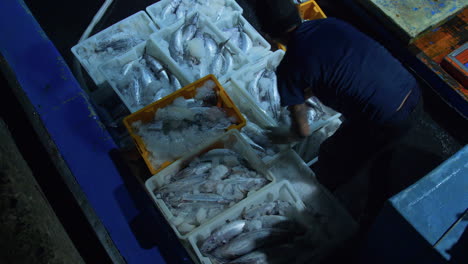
{"x":282,"y":135}
{"x":299,"y":119}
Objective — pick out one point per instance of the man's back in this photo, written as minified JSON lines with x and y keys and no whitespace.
{"x":345,"y":69}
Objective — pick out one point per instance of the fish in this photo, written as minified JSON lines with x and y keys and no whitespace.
{"x":163,"y":76}
{"x":245,"y":42}
{"x":222,"y":235}
{"x":204,"y":197}
{"x":135,"y":90}
{"x":266,"y":94}
{"x":253,"y":87}
{"x":210,"y":45}
{"x":199,"y":169}
{"x":254,"y":145}
{"x":247,"y":242}
{"x":181,"y":12}
{"x":217,"y":65}
{"x":182,"y":184}
{"x":190,"y":29}
{"x":229,"y":61}
{"x":127,"y":68}
{"x":119,"y":43}
{"x":171,"y":8}
{"x":220,"y":154}
{"x":176,"y":45}
{"x":316,"y":110}
{"x":154,"y":65}
{"x":146,"y":76}
{"x":259,"y":210}
{"x":175,"y":83}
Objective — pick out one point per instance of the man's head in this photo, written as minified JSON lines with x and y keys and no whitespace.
{"x":278,"y":18}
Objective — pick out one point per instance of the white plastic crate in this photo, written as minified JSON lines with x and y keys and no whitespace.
{"x":163,"y":39}
{"x":113,"y":41}
{"x":242,"y":78}
{"x":337,"y":223}
{"x":231,"y":140}
{"x":281,"y":191}
{"x":210,"y":8}
{"x":112,"y":68}
{"x":260,"y":47}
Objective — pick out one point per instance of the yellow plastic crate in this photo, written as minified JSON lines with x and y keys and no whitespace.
{"x":147,"y":114}
{"x":310,"y":10}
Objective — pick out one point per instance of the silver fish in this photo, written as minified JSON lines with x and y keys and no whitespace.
{"x":175,"y":83}
{"x":162,"y":75}
{"x":181,"y":184}
{"x":190,"y":29}
{"x":217,"y":65}
{"x":153,"y":64}
{"x":273,"y":95}
{"x":205,"y":197}
{"x":181,"y":12}
{"x":128,"y":67}
{"x":176,"y":48}
{"x":222,"y":235}
{"x":217,"y":153}
{"x":199,"y":169}
{"x":259,"y":210}
{"x":229,"y":61}
{"x":146,"y":76}
{"x":210,"y":45}
{"x":253,"y":87}
{"x":135,"y":90}
{"x":116,"y":44}
{"x":161,"y":93}
{"x":245,"y":42}
{"x":171,"y":8}
{"x":247,"y":242}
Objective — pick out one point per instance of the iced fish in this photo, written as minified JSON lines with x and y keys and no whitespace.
{"x":247,"y":242}
{"x":223,"y":235}
{"x":118,"y":42}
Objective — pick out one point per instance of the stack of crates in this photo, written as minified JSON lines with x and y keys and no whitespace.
{"x":286,"y":173}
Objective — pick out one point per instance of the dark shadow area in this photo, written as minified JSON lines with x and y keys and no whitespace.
{"x":65,"y":22}
{"x":459,"y":251}
{"x":49,"y":179}
{"x":392,"y":239}
{"x":148,"y":225}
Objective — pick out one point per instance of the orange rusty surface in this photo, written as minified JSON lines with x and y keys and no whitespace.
{"x":439,"y":42}
{"x":435,"y":67}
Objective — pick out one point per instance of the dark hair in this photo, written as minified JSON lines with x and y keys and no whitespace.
{"x":276,"y":17}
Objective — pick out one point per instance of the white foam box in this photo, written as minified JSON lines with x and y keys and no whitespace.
{"x":260,"y":47}
{"x":280,"y":191}
{"x":162,"y":39}
{"x":241,"y":79}
{"x":137,"y":26}
{"x":230,"y":140}
{"x":337,"y":224}
{"x":254,"y":114}
{"x":112,"y":68}
{"x":206,"y":7}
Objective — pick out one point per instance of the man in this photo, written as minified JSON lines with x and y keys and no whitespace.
{"x":349,"y":72}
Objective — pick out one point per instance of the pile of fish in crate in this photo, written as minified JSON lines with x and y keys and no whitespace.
{"x":198,"y":84}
